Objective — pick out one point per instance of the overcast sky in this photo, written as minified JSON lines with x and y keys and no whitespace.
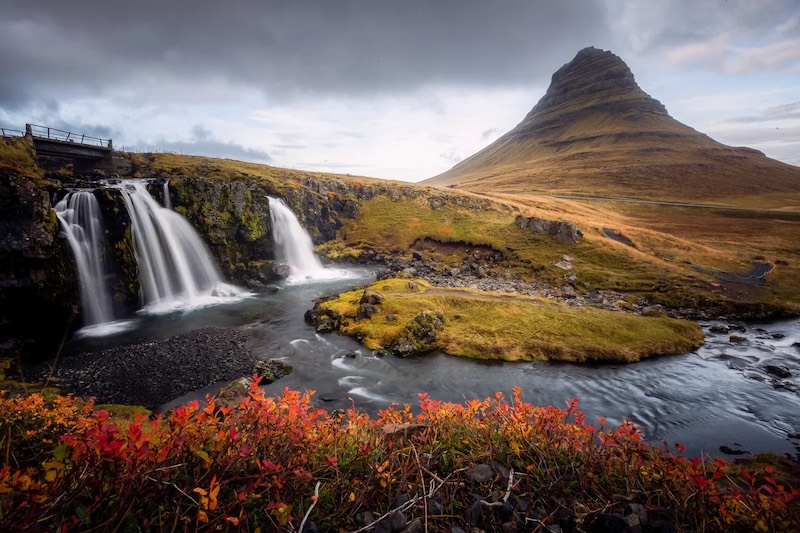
{"x":398,"y":89}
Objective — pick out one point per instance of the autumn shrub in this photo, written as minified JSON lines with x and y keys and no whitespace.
{"x":280,"y":463}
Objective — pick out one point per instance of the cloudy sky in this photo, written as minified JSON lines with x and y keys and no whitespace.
{"x":397,"y":89}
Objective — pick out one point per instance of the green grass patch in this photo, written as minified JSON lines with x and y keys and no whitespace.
{"x":512,"y":327}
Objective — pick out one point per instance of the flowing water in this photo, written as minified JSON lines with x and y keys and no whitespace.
{"x":82,"y":225}
{"x":176,"y":270}
{"x":705,"y":399}
{"x":722,"y":394}
{"x":294,"y":248}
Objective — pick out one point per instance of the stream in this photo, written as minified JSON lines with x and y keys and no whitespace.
{"x":720,"y":395}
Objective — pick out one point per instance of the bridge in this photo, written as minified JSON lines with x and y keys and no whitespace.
{"x":55,"y":148}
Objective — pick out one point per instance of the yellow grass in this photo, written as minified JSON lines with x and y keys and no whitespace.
{"x":512,"y":327}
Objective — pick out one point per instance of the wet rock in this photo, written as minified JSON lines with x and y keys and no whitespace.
{"x":270,"y":370}
{"x":719,"y":328}
{"x":281,"y":270}
{"x":778,"y":370}
{"x":232,"y":394}
{"x":738,"y":339}
{"x":351,"y":355}
{"x":383,"y":274}
{"x":325,"y":325}
{"x":731,"y":451}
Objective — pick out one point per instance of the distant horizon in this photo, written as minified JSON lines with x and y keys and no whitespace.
{"x":390,"y":90}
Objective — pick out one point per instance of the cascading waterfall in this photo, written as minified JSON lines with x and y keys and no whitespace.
{"x":294,"y":248}
{"x":293,"y":244}
{"x":82,"y":224}
{"x":176,"y":270}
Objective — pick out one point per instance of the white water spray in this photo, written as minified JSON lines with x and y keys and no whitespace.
{"x":82,"y":224}
{"x":176,"y":270}
{"x":293,"y":244}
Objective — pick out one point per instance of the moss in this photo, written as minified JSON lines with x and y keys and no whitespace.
{"x":512,"y":327}
{"x":16,"y":154}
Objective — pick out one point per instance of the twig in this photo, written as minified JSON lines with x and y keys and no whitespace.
{"x":510,"y":485}
{"x":313,"y":503}
{"x":540,"y":523}
{"x":176,"y":487}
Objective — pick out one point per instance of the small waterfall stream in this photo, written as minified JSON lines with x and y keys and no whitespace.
{"x":82,"y":224}
{"x":293,"y":244}
{"x":176,"y":270}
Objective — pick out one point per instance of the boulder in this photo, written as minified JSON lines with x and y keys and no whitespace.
{"x":270,"y":370}
{"x":366,"y":311}
{"x":232,"y":394}
{"x":371,"y":297}
{"x":778,"y":370}
{"x":281,"y":270}
{"x":419,"y":335}
{"x":566,"y":232}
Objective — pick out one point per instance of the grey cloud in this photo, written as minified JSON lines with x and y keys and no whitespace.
{"x":284,"y":48}
{"x":487,"y":134}
{"x":203,"y":143}
{"x":781,"y":112}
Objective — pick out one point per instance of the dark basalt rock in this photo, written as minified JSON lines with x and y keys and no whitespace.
{"x":38,"y":294}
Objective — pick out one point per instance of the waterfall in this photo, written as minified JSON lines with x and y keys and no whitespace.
{"x":167,"y":201}
{"x":82,"y":224}
{"x":293,"y":244}
{"x":176,"y":270}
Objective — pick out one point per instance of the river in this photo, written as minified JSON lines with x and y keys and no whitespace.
{"x":719,"y":395}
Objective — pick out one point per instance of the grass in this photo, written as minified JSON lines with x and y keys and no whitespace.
{"x":16,"y":154}
{"x":512,"y":327}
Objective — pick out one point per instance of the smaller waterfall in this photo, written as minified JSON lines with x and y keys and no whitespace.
{"x":293,"y":246}
{"x":167,"y":201}
{"x":82,"y":224}
{"x":176,"y":270}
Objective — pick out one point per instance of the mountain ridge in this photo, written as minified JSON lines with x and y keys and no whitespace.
{"x":595,"y":131}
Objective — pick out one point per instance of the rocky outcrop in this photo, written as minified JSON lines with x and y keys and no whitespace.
{"x":420,"y":334}
{"x":566,"y":232}
{"x":38,"y":295}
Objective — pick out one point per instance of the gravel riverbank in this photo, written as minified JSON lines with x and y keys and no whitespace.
{"x":152,"y":373}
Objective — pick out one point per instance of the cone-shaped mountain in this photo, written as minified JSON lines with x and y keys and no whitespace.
{"x":596,"y":132}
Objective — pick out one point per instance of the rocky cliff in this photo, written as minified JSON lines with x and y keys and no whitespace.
{"x":596,"y":132}
{"x":38,"y":294}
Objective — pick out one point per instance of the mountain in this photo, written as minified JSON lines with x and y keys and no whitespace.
{"x":595,"y":132}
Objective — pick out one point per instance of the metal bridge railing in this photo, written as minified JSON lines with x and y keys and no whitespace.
{"x":45,"y":132}
{"x":6,"y":132}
